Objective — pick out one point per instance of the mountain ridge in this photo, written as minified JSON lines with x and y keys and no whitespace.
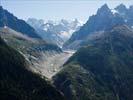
{"x":101,"y":70}
{"x":8,"y":19}
{"x":18,"y":83}
{"x":103,"y":20}
{"x":55,"y":32}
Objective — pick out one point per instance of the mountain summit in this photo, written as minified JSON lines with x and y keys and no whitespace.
{"x":121,"y":8}
{"x":102,"y":70}
{"x":104,"y":10}
{"x":56,"y":32}
{"x":103,"y":20}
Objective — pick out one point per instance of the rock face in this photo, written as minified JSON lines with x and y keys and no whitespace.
{"x":102,"y":70}
{"x":126,"y":13}
{"x":104,"y":20}
{"x":17,"y":83}
{"x":8,"y":19}
{"x":55,"y":32}
{"x":33,"y":49}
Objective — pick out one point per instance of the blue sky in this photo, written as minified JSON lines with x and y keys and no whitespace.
{"x":58,"y":9}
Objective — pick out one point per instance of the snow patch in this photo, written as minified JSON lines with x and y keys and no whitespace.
{"x":114,"y":11}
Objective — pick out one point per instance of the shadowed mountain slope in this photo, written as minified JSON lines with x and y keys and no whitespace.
{"x":17,"y":83}
{"x":101,"y":71}
{"x":8,"y":19}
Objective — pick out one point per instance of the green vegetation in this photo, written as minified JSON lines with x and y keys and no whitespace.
{"x":102,"y":71}
{"x":17,"y":83}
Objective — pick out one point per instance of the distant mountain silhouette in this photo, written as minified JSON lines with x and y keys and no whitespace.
{"x":55,"y":32}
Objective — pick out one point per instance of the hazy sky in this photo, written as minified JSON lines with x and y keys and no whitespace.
{"x":58,"y":9}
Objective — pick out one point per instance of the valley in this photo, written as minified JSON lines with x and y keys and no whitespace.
{"x":52,"y":62}
{"x":63,"y":59}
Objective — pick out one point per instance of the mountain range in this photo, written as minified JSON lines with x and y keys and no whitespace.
{"x":102,"y":67}
{"x":102,"y":70}
{"x":34,"y":49}
{"x":55,"y":32}
{"x":34,"y":67}
{"x":103,"y":20}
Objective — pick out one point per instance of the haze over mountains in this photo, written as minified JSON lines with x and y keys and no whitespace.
{"x":95,"y":63}
{"x":55,"y":32}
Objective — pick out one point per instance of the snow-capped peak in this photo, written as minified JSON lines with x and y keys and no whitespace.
{"x":56,"y":31}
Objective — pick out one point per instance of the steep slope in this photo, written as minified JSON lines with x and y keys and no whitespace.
{"x":101,"y":71}
{"x":52,"y":62}
{"x":33,"y":49}
{"x":102,"y":21}
{"x":17,"y":83}
{"x":8,"y":19}
{"x":26,"y":44}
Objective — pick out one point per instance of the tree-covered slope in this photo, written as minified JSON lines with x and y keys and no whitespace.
{"x":17,"y":83}
{"x":101,"y":71}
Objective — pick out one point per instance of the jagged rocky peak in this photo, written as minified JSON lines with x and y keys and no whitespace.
{"x":64,"y":22}
{"x":99,"y":67}
{"x":103,"y":20}
{"x":104,"y":10}
{"x":76,"y":20}
{"x":34,"y":19}
{"x":56,"y":32}
{"x":75,"y":23}
{"x":35,"y":22}
{"x":1,"y":7}
{"x":121,"y":8}
{"x":131,"y":10}
{"x":131,"y":7}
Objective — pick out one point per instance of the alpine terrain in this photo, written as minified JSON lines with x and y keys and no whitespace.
{"x":46,"y":55}
{"x":101,"y":71}
{"x":103,"y":20}
{"x":55,"y":32}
